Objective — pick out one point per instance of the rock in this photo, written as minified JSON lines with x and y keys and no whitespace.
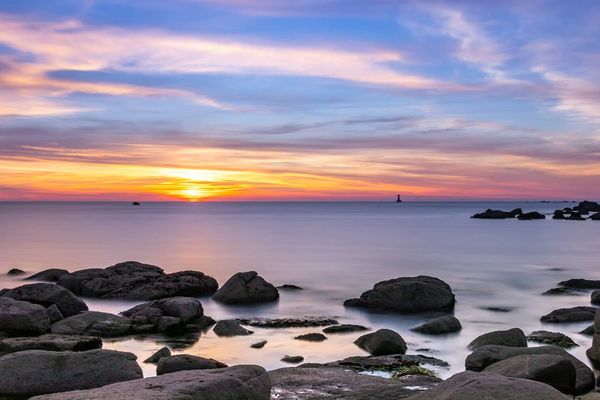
{"x":137,"y":281}
{"x":407,"y":295}
{"x":344,"y":328}
{"x":595,"y":297}
{"x":485,"y":356}
{"x":531,"y":215}
{"x":587,"y":206}
{"x":573,"y":314}
{"x":50,"y":342}
{"x":230,"y":327}
{"x":48,"y":275}
{"x":593,"y":352}
{"x":292,"y":359}
{"x":498,"y":309}
{"x":558,"y":214}
{"x":498,"y":214}
{"x":382,"y":342}
{"x":243,"y":382}
{"x":22,"y":318}
{"x":484,"y":385}
{"x":439,"y":325}
{"x":165,"y":314}
{"x":186,"y":362}
{"x":555,"y":338}
{"x":589,"y":331}
{"x":54,"y":313}
{"x":511,"y":337}
{"x":595,"y":217}
{"x":575,"y":217}
{"x":308,"y":322}
{"x":289,"y":287}
{"x":392,"y":363}
{"x":15,"y":272}
{"x":246,"y":288}
{"x":94,"y":323}
{"x":259,"y":345}
{"x":47,"y":294}
{"x":562,"y":291}
{"x":34,"y":372}
{"x":581,"y":284}
{"x":154,"y":358}
{"x":312,"y":337}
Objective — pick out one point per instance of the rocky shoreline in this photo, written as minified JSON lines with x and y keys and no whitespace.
{"x":51,"y":343}
{"x":585,"y":210}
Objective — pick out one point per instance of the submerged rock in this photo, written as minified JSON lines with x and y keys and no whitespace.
{"x":555,"y":338}
{"x":407,"y":295}
{"x":154,"y":358}
{"x":382,"y":342}
{"x":312,"y":337}
{"x":186,"y":362}
{"x":48,"y":275}
{"x":307,"y":322}
{"x":573,"y":314}
{"x":50,"y":342}
{"x":511,"y":337}
{"x":344,"y":328}
{"x":439,"y":325}
{"x":15,"y":272}
{"x":246,"y":288}
{"x":22,"y":318}
{"x":287,"y":286}
{"x":93,"y":323}
{"x":230,"y":327}
{"x":47,"y":294}
{"x":259,"y":345}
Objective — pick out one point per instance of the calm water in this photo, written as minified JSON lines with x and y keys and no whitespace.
{"x":334,"y":250}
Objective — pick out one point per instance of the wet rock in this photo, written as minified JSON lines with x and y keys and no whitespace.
{"x":555,"y":338}
{"x":498,"y":214}
{"x":382,"y":342}
{"x":48,"y":275}
{"x":259,"y":345}
{"x":50,"y":342}
{"x":22,"y":318}
{"x":47,"y":294}
{"x":93,"y":323}
{"x":230,"y":327}
{"x":407,"y":295}
{"x":312,"y":337}
{"x":344,"y":328}
{"x":595,"y":298}
{"x":154,"y":358}
{"x":581,"y":284}
{"x":34,"y":372}
{"x":477,"y":386}
{"x":186,"y":362}
{"x":289,"y":287}
{"x":173,"y":313}
{"x":511,"y":337}
{"x":485,"y":356}
{"x":439,"y":325}
{"x":292,"y":359}
{"x":308,"y":322}
{"x":137,"y":281}
{"x":248,"y":382}
{"x":531,"y":215}
{"x":566,"y":315}
{"x":15,"y":272}
{"x":246,"y":288}
{"x":390,"y":363}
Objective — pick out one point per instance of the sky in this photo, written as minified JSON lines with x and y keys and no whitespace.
{"x":219,"y":100}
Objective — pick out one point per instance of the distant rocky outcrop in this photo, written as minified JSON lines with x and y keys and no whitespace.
{"x":246,"y":288}
{"x":498,"y":214}
{"x":586,"y":207}
{"x":530,"y":216}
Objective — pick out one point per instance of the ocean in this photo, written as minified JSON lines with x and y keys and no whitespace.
{"x":334,"y":250}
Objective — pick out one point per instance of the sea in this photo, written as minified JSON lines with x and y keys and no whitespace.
{"x":334,"y":250}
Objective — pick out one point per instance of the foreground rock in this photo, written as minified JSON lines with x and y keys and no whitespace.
{"x":22,"y":318}
{"x":581,"y":284}
{"x":229,"y":328}
{"x":243,"y":382}
{"x":439,"y":325}
{"x":511,"y":337}
{"x":33,"y":372}
{"x":246,"y":288}
{"x":382,"y":342}
{"x":48,"y":275}
{"x":307,"y":322}
{"x":595,"y":297}
{"x":407,"y":295}
{"x":485,"y":356}
{"x":554,"y":370}
{"x":478,"y":386}
{"x":555,"y":338}
{"x":344,"y":328}
{"x":50,"y":342}
{"x":498,"y":214}
{"x":48,"y":294}
{"x":594,"y":352}
{"x":93,"y":323}
{"x":154,"y":358}
{"x":186,"y":362}
{"x":566,"y":315}
{"x":137,"y":281}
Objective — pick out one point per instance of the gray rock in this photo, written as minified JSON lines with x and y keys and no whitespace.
{"x":94,"y":323}
{"x":154,"y":358}
{"x":382,"y":342}
{"x":287,"y":286}
{"x":485,"y":356}
{"x":596,"y":297}
{"x":306,"y":322}
{"x":439,"y":325}
{"x":581,"y":284}
{"x":246,"y":288}
{"x":47,"y":294}
{"x":407,"y":295}
{"x":242,"y":382}
{"x":555,"y":338}
{"x":137,"y":281}
{"x":344,"y":328}
{"x":312,"y":337}
{"x":390,"y":363}
{"x":292,"y":359}
{"x":230,"y":327}
{"x":566,"y":315}
{"x":562,"y":291}
{"x":54,"y":313}
{"x":511,"y":337}
{"x":478,"y":386}
{"x":50,"y":342}
{"x":34,"y":372}
{"x":588,"y":331}
{"x":48,"y":275}
{"x":22,"y":318}
{"x":593,"y":352}
{"x":186,"y":362}
{"x":165,"y":314}
{"x":259,"y":345}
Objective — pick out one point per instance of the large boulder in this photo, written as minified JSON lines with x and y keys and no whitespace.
{"x":33,"y":372}
{"x":483,"y":385}
{"x":554,"y":370}
{"x":134,"y":280}
{"x":48,"y":275}
{"x":439,"y":325}
{"x":22,"y":318}
{"x":50,"y":342}
{"x":382,"y":342}
{"x":165,"y":314}
{"x":566,"y":315}
{"x":185,"y":362}
{"x":92,"y":323}
{"x":485,"y":356}
{"x":48,"y":294}
{"x":246,"y":288}
{"x":511,"y":337}
{"x":242,"y":382}
{"x":407,"y":295}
